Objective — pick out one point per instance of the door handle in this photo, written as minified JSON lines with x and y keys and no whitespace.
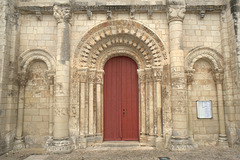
{"x":124,"y":112}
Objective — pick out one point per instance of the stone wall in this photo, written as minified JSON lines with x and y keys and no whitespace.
{"x":37,"y":33}
{"x":199,"y":31}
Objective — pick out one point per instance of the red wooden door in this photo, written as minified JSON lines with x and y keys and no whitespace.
{"x":120,"y":100}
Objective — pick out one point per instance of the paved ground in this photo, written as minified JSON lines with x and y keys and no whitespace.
{"x":208,"y":153}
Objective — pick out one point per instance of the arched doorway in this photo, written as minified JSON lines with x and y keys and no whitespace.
{"x":121,"y":100}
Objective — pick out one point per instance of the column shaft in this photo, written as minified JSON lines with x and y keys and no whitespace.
{"x":61,"y":142}
{"x":22,"y":81}
{"x":180,"y":140}
{"x":99,"y":105}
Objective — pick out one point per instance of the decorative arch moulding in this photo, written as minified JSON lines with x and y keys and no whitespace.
{"x":214,"y":58}
{"x":29,"y":56}
{"x":128,"y":34}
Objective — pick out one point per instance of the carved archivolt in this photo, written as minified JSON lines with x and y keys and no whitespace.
{"x":213,"y":57}
{"x":26,"y":58}
{"x":128,"y":33}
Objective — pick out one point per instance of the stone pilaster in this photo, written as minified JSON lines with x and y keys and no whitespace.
{"x":218,"y":78}
{"x":22,"y":80}
{"x":99,"y":104}
{"x":61,"y":142}
{"x":180,"y":139}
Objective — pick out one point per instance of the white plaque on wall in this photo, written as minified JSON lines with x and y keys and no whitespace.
{"x":204,"y":109}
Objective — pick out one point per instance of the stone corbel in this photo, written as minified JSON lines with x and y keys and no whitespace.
{"x":150,"y":13}
{"x":202,"y":14}
{"x":109,"y":14}
{"x":176,"y":13}
{"x":89,"y":14}
{"x":39,"y":15}
{"x":132,"y":11}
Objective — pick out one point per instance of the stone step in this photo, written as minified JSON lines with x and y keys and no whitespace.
{"x":119,"y":145}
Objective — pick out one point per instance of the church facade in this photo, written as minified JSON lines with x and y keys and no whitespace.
{"x":76,"y":73}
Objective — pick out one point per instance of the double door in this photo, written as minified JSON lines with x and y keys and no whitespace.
{"x":121,"y":100}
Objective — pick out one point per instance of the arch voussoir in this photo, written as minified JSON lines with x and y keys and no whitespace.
{"x":120,"y":32}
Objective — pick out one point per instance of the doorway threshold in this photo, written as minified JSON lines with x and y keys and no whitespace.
{"x":119,"y":145}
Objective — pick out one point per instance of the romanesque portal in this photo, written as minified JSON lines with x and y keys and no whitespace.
{"x":163,"y":73}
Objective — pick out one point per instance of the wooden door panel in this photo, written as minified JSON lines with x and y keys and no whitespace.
{"x":129,"y":99}
{"x":112,"y":102}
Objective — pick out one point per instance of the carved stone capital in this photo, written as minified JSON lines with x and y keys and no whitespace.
{"x":99,"y":76}
{"x":83,"y":75}
{"x":157,"y":73}
{"x":218,"y":76}
{"x":50,"y":77}
{"x":22,"y":78}
{"x":189,"y":75}
{"x":149,"y":75}
{"x":176,"y":13}
{"x":62,"y":13}
{"x":141,"y":76}
{"x":91,"y":76}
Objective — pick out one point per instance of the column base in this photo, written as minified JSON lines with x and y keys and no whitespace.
{"x":181,"y":144}
{"x":18,"y":144}
{"x":152,"y":141}
{"x":82,"y":142}
{"x":143,"y":140}
{"x":56,"y":146}
{"x":160,"y":143}
{"x":223,"y":141}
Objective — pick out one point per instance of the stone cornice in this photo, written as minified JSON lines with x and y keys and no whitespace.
{"x":80,"y":7}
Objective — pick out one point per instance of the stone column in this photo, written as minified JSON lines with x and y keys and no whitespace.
{"x":157,"y":73}
{"x":142,"y":106}
{"x":218,"y":78}
{"x":51,"y":101}
{"x":179,"y":139}
{"x":83,"y":95}
{"x":92,"y":116}
{"x":189,"y":74}
{"x":61,"y":142}
{"x":22,"y":81}
{"x":150,"y":107}
{"x":99,"y":105}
